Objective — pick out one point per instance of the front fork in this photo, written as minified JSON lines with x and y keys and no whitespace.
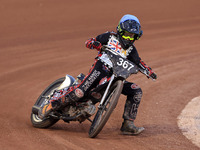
{"x":106,"y":91}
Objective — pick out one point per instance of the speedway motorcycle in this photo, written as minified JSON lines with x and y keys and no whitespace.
{"x":103,"y":98}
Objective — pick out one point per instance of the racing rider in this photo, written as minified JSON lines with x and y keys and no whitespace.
{"x":122,"y":41}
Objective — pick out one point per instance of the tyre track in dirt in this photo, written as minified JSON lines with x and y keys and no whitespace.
{"x":41,"y":45}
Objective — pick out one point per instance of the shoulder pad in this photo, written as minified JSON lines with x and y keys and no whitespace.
{"x":113,"y":33}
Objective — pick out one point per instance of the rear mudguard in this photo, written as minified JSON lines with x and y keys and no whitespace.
{"x":69,"y":80}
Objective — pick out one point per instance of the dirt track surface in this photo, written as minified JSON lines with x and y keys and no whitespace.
{"x":44,"y":40}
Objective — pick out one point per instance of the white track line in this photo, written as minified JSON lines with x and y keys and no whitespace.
{"x":189,"y":121}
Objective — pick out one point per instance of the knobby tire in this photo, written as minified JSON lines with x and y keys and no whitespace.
{"x":104,"y":113}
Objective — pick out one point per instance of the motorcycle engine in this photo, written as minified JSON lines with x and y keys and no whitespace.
{"x":79,"y":112}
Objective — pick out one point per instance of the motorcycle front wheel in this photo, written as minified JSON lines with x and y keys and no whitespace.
{"x":106,"y":110}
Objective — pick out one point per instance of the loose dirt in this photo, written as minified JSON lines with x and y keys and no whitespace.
{"x":44,"y":40}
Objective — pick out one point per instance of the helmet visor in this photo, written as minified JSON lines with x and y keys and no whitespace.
{"x":131,"y":26}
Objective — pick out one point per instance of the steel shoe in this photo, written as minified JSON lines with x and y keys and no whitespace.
{"x":128,"y":128}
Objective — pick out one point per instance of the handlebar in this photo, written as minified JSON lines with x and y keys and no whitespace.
{"x":145,"y":73}
{"x":106,"y":48}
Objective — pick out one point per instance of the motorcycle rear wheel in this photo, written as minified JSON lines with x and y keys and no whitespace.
{"x":106,"y":110}
{"x":46,"y":122}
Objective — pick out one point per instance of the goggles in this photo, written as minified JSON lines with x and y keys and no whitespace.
{"x":127,"y":38}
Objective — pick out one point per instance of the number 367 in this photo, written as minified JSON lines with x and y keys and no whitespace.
{"x":125,"y":64}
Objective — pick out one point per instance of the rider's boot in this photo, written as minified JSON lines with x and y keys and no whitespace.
{"x":53,"y":104}
{"x":129,"y":128}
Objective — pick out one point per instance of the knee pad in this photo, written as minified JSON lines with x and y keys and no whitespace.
{"x":135,"y":96}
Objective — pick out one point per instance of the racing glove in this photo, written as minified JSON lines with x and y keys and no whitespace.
{"x":92,"y":43}
{"x":147,"y":70}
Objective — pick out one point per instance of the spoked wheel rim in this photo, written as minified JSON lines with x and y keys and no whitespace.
{"x":105,"y":111}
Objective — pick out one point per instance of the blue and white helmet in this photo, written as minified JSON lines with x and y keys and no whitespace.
{"x":131,"y":24}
